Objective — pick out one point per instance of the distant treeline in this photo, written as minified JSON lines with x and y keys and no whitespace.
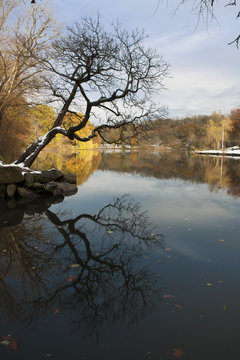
{"x":195,"y":132}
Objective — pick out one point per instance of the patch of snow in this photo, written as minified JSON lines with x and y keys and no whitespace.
{"x":235,"y":150}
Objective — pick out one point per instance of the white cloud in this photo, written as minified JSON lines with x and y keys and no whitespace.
{"x":204,"y":69}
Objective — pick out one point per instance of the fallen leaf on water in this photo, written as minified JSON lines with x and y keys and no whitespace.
{"x":209,"y":284}
{"x":75,"y":265}
{"x":168,"y":249}
{"x":179,"y":307}
{"x":56,"y":311}
{"x":224,"y":307}
{"x":169,"y":257}
{"x":71,"y":278}
{"x":10,"y":342}
{"x":177,"y":352}
{"x":169,"y":296}
{"x":221,"y":240}
{"x":5,"y":342}
{"x":109,"y":231}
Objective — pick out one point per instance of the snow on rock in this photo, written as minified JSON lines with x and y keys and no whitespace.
{"x":233,"y":151}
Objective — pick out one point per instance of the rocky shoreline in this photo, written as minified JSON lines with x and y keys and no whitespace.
{"x":24,"y":185}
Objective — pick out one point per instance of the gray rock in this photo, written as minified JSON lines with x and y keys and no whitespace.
{"x":29,"y":179}
{"x":2,"y":191}
{"x":10,"y":190}
{"x":27,"y":193}
{"x":66,"y":188}
{"x":10,"y":174}
{"x":37,"y":186}
{"x":50,"y":187}
{"x":70,"y":178}
{"x":58,"y":192}
{"x":47,"y":176}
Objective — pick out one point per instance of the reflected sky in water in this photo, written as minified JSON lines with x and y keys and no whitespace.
{"x":176,"y":236}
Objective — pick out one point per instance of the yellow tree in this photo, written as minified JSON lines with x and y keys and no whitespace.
{"x":218,"y":130}
{"x":42,"y":117}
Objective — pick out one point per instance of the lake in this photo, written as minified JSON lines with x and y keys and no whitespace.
{"x":142,"y":263}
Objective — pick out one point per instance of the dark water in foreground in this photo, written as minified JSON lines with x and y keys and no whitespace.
{"x":105,"y":275}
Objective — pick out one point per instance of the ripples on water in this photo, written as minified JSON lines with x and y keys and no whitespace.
{"x":142,"y":263}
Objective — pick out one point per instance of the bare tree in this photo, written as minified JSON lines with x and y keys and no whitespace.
{"x":111,"y":76}
{"x":21,"y":44}
{"x":206,"y":9}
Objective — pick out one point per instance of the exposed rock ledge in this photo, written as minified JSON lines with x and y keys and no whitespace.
{"x":23,"y":183}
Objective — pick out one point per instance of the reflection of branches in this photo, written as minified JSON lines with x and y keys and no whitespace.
{"x":93,"y":267}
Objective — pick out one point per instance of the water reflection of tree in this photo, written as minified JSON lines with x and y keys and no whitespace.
{"x":93,"y":268}
{"x":83,"y":163}
{"x":217,"y":172}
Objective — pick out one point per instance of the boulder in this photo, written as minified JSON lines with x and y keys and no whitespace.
{"x":27,"y":193}
{"x":50,"y":187}
{"x":37,"y":186}
{"x":10,"y":190}
{"x":66,"y":188}
{"x":29,"y":179}
{"x":70,"y":178}
{"x":47,"y":176}
{"x":10,"y":174}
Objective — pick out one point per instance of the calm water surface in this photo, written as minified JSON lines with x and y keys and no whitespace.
{"x":142,"y":263}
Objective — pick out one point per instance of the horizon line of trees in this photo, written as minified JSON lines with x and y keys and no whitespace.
{"x":187,"y":133}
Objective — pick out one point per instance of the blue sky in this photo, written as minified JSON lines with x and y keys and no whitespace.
{"x":204,"y":69}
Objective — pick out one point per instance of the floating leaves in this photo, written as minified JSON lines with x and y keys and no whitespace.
{"x":177,"y":353}
{"x":221,"y":240}
{"x":71,"y":278}
{"x":169,"y":296}
{"x":179,"y":307}
{"x":10,"y":342}
{"x":208,"y":284}
{"x":75,"y":265}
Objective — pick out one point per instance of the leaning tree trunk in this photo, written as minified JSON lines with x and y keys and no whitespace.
{"x":32,"y":152}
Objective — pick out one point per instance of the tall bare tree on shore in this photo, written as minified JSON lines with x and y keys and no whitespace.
{"x":25,"y":33}
{"x":111,"y":76}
